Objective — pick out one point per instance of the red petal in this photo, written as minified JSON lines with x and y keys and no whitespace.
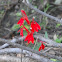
{"x":21,"y":21}
{"x":29,"y":38}
{"x":25,"y":17}
{"x":42,"y":46}
{"x":35,"y":26}
{"x":32,"y":40}
{"x":28,"y":41}
{"x":36,"y":29}
{"x":38,"y":26}
{"x":26,"y":38}
{"x":39,"y":48}
{"x":23,"y":12}
{"x":21,"y":33}
{"x":32,"y":30}
{"x":27,"y":20}
{"x":32,"y":27}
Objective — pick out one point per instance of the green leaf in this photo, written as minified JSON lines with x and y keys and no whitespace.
{"x":46,"y":35}
{"x":37,"y":46}
{"x":58,"y":25}
{"x":58,"y":40}
{"x":45,"y":9}
{"x":35,"y":6}
{"x":15,"y":26}
{"x":1,"y":12}
{"x":53,"y":59}
{"x":18,"y":14}
{"x":27,"y":26}
{"x":61,"y":38}
{"x":32,"y":11}
{"x":58,"y":61}
{"x":24,"y":33}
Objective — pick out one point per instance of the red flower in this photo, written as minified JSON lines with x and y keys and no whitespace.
{"x":27,"y":20}
{"x":21,"y":21}
{"x":21,"y":31}
{"x":23,"y":13}
{"x":25,"y":16}
{"x":35,"y":26}
{"x":29,"y":38}
{"x":41,"y":47}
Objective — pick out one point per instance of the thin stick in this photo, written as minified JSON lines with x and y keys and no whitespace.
{"x":47,"y":50}
{"x":35,"y":42}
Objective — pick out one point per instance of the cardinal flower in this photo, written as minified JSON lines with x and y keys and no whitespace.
{"x":25,"y":16}
{"x":41,"y":47}
{"x":21,"y":31}
{"x":35,"y":26}
{"x":29,"y":38}
{"x":21,"y":21}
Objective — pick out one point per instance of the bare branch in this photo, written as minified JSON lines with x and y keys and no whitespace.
{"x":29,"y":49}
{"x":26,"y":53}
{"x":49,"y":41}
{"x":47,"y":50}
{"x":13,"y":40}
{"x":10,"y":50}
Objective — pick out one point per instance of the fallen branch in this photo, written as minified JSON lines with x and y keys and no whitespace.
{"x":29,"y":49}
{"x":13,"y":40}
{"x":26,"y":2}
{"x":10,"y":50}
{"x":26,"y":53}
{"x":49,"y":41}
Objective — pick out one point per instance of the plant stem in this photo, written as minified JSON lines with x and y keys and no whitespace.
{"x":35,"y":42}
